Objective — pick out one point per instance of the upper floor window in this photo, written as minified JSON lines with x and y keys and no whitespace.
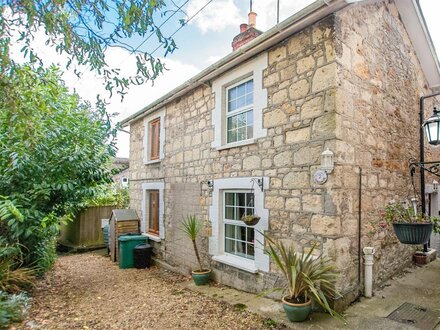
{"x":240,"y":101}
{"x":154,"y":137}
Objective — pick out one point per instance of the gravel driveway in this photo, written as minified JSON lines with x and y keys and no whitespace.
{"x":88,"y":291}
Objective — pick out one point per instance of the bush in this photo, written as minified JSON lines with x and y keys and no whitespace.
{"x":13,"y":277}
{"x":12,"y":308}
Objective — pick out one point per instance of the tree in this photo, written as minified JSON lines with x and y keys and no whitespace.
{"x":84,"y":29}
{"x":54,"y":154}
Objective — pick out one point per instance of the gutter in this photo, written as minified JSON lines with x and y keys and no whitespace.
{"x":304,"y":18}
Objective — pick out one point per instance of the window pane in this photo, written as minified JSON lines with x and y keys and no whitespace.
{"x":250,"y":235}
{"x":232,"y":136}
{"x":250,"y":117}
{"x":229,"y":213}
{"x":241,"y":101}
{"x":241,"y":120}
{"x":232,"y":105}
{"x":229,"y":231}
{"x":241,"y":133}
{"x":241,"y":235}
{"x":232,"y":93}
{"x":239,"y":213}
{"x":241,"y":90}
{"x":250,"y":199}
{"x":232,"y":122}
{"x":249,"y":98}
{"x":229,"y":199}
{"x":250,"y":86}
{"x":241,"y":199}
{"x":241,"y":249}
{"x":249,"y":132}
{"x":229,"y":246}
{"x":250,"y":251}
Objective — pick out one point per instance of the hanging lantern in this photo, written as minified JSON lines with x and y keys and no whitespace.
{"x":432,"y":127}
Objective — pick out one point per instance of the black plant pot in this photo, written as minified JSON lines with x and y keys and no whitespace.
{"x":413,"y":233}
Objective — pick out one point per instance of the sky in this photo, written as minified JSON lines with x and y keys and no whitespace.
{"x":203,"y":41}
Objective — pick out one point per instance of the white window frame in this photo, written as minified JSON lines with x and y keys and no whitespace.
{"x":244,"y":109}
{"x":217,"y":239}
{"x":153,"y":186}
{"x":250,"y":70}
{"x":146,"y":142}
{"x":234,"y":222}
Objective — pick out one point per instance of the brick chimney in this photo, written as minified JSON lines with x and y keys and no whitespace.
{"x":247,"y":33}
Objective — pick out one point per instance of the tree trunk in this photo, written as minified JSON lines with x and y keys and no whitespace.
{"x":197,"y":254}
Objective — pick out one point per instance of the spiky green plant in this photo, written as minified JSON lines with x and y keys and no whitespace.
{"x":191,"y":226}
{"x":306,"y":276}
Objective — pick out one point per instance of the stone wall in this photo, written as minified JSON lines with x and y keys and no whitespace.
{"x":337,"y":84}
{"x":300,"y":120}
{"x":377,"y":121}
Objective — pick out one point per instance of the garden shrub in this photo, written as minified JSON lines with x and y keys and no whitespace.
{"x":12,"y":308}
{"x":55,"y":153}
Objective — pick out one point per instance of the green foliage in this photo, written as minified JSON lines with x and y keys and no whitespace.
{"x":306,"y":276}
{"x":109,"y":195}
{"x":54,"y":153}
{"x":12,"y":308}
{"x":191,"y":226}
{"x":83,"y":30}
{"x":403,"y":213}
{"x":13,"y":277}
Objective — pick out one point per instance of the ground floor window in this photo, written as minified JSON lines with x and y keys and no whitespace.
{"x":152,"y":208}
{"x":239,"y":238}
{"x":232,"y":242}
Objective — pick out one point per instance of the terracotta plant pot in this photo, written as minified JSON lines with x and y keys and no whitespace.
{"x":201,"y":277}
{"x":420,"y":258}
{"x":297,"y":312}
{"x":413,"y":233}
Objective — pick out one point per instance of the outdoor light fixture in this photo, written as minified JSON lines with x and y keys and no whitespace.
{"x":432,"y":127}
{"x":432,"y":131}
{"x":327,"y":161}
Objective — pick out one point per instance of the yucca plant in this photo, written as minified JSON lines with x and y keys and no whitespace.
{"x":191,"y":226}
{"x":306,"y":276}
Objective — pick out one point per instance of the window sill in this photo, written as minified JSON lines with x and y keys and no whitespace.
{"x":152,"y":237}
{"x":240,"y":263}
{"x":236,"y":144}
{"x":155,"y":161}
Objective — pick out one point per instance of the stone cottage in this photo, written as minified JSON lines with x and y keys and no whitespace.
{"x":247,"y":134}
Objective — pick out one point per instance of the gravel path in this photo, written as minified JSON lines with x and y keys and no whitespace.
{"x":88,"y":291}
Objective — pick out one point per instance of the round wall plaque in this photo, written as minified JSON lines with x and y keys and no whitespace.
{"x":320,"y":177}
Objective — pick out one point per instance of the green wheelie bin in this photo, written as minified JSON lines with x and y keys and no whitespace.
{"x":127,"y":243}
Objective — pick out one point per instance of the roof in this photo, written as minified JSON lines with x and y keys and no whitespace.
{"x":410,"y":11}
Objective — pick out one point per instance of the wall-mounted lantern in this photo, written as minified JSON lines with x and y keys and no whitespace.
{"x":432,"y":128}
{"x":327,"y":161}
{"x":209,"y":184}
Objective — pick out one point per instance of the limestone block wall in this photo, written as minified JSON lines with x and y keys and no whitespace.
{"x":300,"y":118}
{"x":380,"y":82}
{"x":350,"y":83}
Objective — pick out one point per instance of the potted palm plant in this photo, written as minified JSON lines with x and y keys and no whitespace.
{"x":410,"y":226}
{"x":307,"y":277}
{"x":191,"y":226}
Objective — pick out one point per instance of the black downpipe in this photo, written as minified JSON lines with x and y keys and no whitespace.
{"x":422,"y":159}
{"x":359,"y":227}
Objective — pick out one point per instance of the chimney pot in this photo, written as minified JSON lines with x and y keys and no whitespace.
{"x":243,"y":27}
{"x":252,"y":19}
